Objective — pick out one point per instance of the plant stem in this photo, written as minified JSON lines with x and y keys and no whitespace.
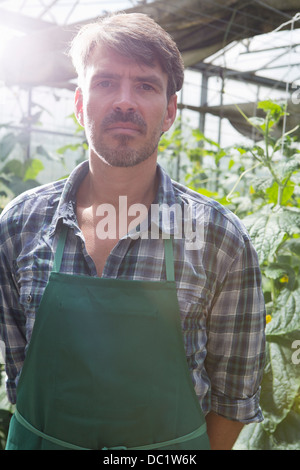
{"x":240,"y":178}
{"x":267,"y":137}
{"x":280,"y":194}
{"x":273,"y":291}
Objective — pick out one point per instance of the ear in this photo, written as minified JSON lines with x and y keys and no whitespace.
{"x":170,"y":113}
{"x":79,"y":106}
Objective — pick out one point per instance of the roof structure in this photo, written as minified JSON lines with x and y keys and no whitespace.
{"x":201,"y":28}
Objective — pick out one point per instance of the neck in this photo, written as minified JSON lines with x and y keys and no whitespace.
{"x":105,"y":184}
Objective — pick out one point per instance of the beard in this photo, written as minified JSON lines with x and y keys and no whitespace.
{"x":124,"y":155}
{"x":123,"y":152}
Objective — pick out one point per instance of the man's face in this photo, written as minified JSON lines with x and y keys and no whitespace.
{"x":124,"y":108}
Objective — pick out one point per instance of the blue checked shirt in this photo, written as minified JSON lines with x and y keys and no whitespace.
{"x":218,"y":282}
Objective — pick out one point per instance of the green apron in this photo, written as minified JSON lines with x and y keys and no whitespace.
{"x":106,"y":368}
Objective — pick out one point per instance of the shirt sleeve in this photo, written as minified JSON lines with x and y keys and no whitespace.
{"x":12,"y":318}
{"x":236,"y":340}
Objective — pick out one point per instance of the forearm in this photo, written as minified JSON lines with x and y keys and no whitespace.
{"x":222,"y":432}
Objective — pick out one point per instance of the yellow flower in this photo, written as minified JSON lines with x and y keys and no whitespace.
{"x":284,"y":279}
{"x":268,"y":318}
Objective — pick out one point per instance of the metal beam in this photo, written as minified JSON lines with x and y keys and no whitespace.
{"x":48,"y":8}
{"x":215,"y":70}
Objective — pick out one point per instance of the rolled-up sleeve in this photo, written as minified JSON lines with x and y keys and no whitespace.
{"x":236,"y":340}
{"x":12,"y":319}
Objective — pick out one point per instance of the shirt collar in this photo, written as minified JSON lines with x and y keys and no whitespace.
{"x":162,"y":217}
{"x":66,"y":210}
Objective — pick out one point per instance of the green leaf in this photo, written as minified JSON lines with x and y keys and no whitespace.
{"x":269,"y":227}
{"x":231,"y":164}
{"x":293,"y":245}
{"x":281,"y":381}
{"x":7,"y":144}
{"x":272,"y":193}
{"x":257,"y":122}
{"x":259,"y":150}
{"x":242,"y":150}
{"x":287,"y":434}
{"x":219,"y":155}
{"x":285,"y":169}
{"x":34,"y":166}
{"x":262,"y":183}
{"x":5,"y":417}
{"x":274,"y":109}
{"x":253,"y":437}
{"x":201,"y":137}
{"x":79,"y":128}
{"x":285,"y":437}
{"x":14,"y":167}
{"x":206,"y":192}
{"x":278,"y":270}
{"x":33,"y":119}
{"x":40,"y":149}
{"x":288,"y":191}
{"x":286,"y":314}
{"x":72,"y":147}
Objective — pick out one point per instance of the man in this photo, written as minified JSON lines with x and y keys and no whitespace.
{"x":140,"y":332}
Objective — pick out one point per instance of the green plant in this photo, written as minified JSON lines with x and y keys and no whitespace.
{"x":18,"y":170}
{"x":274,"y":225}
{"x":6,"y":410}
{"x":261,"y":184}
{"x":80,"y":148}
{"x":20,"y":161}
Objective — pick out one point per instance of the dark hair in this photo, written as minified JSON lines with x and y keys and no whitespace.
{"x":133,"y":35}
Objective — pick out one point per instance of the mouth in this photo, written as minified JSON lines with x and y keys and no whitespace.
{"x":131,"y":124}
{"x":124,"y":127}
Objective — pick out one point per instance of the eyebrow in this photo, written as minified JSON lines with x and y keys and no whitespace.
{"x":100,"y":75}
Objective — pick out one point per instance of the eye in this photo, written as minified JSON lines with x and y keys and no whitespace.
{"x":146,"y":87}
{"x":105,"y":84}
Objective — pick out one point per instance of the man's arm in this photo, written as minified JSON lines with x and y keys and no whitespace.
{"x":236,"y":343}
{"x":222,"y":432}
{"x":12,"y":318}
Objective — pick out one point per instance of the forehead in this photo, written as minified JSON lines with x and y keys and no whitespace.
{"x":105,"y":60}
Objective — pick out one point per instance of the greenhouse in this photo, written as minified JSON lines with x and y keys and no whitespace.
{"x":235,"y":141}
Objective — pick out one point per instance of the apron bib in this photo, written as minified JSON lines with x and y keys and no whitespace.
{"x":106,"y":368}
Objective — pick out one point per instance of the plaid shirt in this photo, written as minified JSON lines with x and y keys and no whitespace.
{"x":218,"y":284}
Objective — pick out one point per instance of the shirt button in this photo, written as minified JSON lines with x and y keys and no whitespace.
{"x":29,"y":298}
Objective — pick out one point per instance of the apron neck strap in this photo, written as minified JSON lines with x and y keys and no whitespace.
{"x":60,"y":249}
{"x":169,"y":257}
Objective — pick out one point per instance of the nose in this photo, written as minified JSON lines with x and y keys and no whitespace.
{"x":124,"y":99}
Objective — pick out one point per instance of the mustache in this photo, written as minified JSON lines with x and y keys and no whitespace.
{"x":130,"y":116}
